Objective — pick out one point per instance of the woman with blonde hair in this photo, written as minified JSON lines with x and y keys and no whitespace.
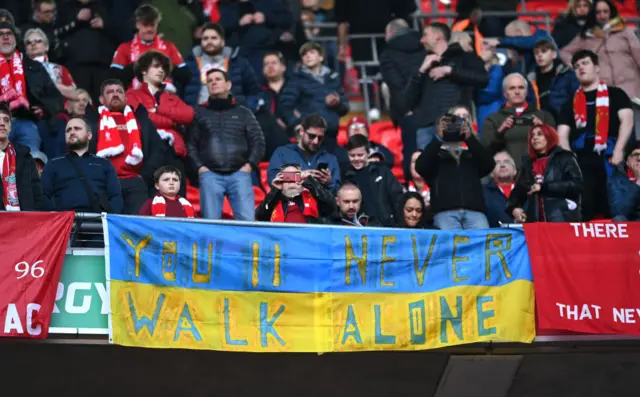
{"x":570,"y":22}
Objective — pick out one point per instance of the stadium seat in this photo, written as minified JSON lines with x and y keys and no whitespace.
{"x":342,"y":135}
{"x":193,"y":195}
{"x":264,"y":180}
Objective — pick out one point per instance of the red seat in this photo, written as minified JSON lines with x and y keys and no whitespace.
{"x":264,"y":180}
{"x":342,"y":135}
{"x":193,"y":195}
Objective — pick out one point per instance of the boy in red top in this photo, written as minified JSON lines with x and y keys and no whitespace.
{"x":167,"y":202}
{"x":147,"y":20}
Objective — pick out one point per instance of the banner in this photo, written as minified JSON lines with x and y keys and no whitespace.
{"x":587,"y":276}
{"x":81,"y":304}
{"x":184,"y":284}
{"x":33,"y":247}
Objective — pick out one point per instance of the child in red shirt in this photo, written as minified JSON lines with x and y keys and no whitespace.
{"x":167,"y":202}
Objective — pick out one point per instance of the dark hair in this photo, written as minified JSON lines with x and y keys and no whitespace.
{"x":357,"y":141}
{"x":443,"y":28}
{"x":166,"y":169}
{"x":4,"y":108}
{"x":84,"y":120}
{"x":584,"y":54}
{"x":35,"y":4}
{"x":591,"y":16}
{"x":147,"y":14}
{"x":110,"y":82}
{"x":277,"y":54}
{"x":286,"y":165}
{"x":214,"y":26}
{"x":311,"y":46}
{"x":146,"y":60}
{"x":313,"y":120}
{"x":224,"y":74}
{"x":400,"y":216}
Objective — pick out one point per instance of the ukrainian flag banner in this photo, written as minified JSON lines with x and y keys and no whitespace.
{"x":184,"y":284}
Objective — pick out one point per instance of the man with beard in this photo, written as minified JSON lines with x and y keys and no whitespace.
{"x":212,"y":54}
{"x":349,"y":200}
{"x":129,"y":140}
{"x":80,"y":181}
{"x":296,"y":197}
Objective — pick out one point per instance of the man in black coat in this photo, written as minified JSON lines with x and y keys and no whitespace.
{"x":20,"y":183}
{"x":446,"y":78}
{"x":129,"y":140}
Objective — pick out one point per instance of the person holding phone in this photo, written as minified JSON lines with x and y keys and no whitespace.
{"x":296,"y":197}
{"x":453,"y":165}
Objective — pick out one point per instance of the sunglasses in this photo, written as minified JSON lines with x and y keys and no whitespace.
{"x":312,"y":137}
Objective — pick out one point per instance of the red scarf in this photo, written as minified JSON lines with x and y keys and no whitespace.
{"x":631,"y":175}
{"x":109,"y":142}
{"x":602,"y":115}
{"x":539,"y":165}
{"x":159,"y":206}
{"x":425,"y":193}
{"x":9,"y":183}
{"x":310,"y":208}
{"x":13,"y":88}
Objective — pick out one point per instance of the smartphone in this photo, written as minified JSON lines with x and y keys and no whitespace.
{"x":323,"y":166}
{"x":291,"y":177}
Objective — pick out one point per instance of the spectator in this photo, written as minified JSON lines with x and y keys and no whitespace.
{"x":41,"y":162}
{"x":269,"y":115}
{"x":551,"y":178}
{"x":147,"y":20}
{"x":225,"y":145}
{"x":447,"y":77}
{"x":296,"y":197}
{"x":617,"y":48}
{"x":596,"y":125}
{"x":28,"y":90}
{"x":413,"y":212}
{"x":80,"y":181}
{"x":490,"y":98}
{"x":553,"y":81}
{"x":88,"y":37}
{"x":53,"y":133}
{"x":417,"y":183}
{"x":359,"y":126}
{"x":37,"y":44}
{"x":212,"y":54}
{"x":309,"y":154}
{"x":569,"y":23}
{"x":254,"y":26}
{"x":15,"y":8}
{"x":166,"y":111}
{"x":624,"y":188}
{"x":294,"y":36}
{"x":402,"y":55}
{"x":21,"y":189}
{"x":180,"y":19}
{"x":314,"y":88}
{"x":380,"y":189}
{"x":44,"y":12}
{"x":459,"y":204}
{"x":498,"y":189}
{"x":129,"y":140}
{"x":168,"y":202}
{"x":507,"y":129}
{"x":349,"y":213}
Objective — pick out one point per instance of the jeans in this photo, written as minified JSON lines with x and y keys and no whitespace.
{"x":134,"y":193}
{"x":25,"y":132}
{"x":460,"y":219}
{"x":424,"y":136}
{"x":238,"y":188}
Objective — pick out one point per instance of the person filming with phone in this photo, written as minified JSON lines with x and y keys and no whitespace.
{"x":453,"y":166}
{"x":508,"y":128}
{"x":296,"y":197}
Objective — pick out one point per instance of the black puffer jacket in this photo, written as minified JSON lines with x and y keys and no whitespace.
{"x":455,"y":185}
{"x":562,"y":182}
{"x":27,"y":182}
{"x":225,"y":136}
{"x":41,"y":91}
{"x":401,"y":57}
{"x":431,"y":99}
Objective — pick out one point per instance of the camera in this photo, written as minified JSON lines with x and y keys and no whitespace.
{"x":452,"y":128}
{"x":525,"y":119}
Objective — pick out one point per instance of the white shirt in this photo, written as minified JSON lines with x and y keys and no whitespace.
{"x":2,"y":154}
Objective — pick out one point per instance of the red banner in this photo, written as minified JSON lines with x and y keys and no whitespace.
{"x":33,"y":248}
{"x":586,"y":277}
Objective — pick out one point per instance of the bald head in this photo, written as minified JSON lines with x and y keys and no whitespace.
{"x":515,"y":88}
{"x":395,"y":28}
{"x":349,"y":200}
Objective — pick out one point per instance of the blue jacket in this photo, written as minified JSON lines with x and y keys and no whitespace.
{"x":307,"y":94}
{"x":563,"y":87}
{"x":491,"y":98}
{"x":292,"y":154}
{"x":63,"y":190}
{"x":496,"y":205}
{"x":525,"y":44}
{"x":624,"y":196}
{"x":244,"y":83}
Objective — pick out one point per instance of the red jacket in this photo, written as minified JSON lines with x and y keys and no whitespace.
{"x":170,"y":112}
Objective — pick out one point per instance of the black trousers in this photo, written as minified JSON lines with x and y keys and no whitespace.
{"x":89,"y":77}
{"x":595,"y":197}
{"x":134,"y":193}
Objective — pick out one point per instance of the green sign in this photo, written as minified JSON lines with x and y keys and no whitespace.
{"x":82,"y":303}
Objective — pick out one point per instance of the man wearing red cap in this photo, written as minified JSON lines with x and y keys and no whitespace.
{"x":358,"y":125}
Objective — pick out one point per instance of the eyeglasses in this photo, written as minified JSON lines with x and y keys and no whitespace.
{"x":505,"y":162}
{"x":6,"y":33}
{"x":312,"y":137}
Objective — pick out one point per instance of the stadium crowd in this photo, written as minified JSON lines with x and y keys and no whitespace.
{"x":121,"y":107}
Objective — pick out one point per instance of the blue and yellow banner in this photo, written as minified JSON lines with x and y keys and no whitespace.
{"x":181,"y":284}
